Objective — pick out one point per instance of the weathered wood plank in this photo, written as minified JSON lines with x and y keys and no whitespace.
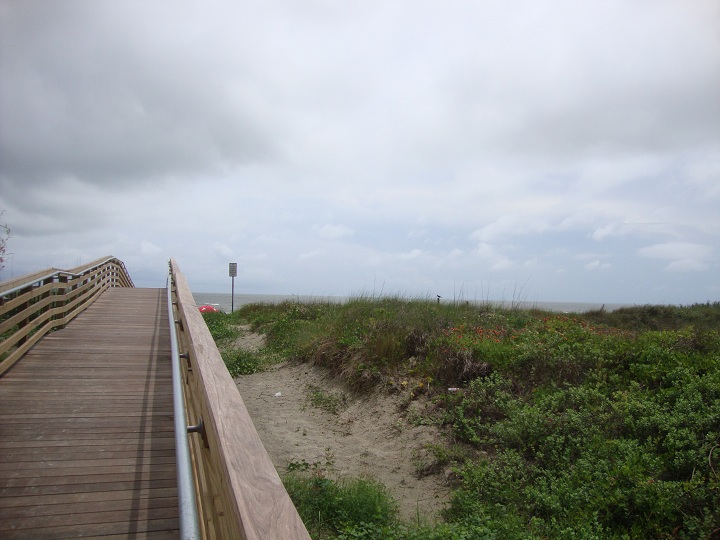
{"x":84,"y":439}
{"x":85,"y":453}
{"x":131,"y":482}
{"x":45,"y":499}
{"x":93,"y":505}
{"x":108,"y":523}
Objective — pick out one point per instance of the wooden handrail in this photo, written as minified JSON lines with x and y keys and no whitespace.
{"x":239,"y":492}
{"x":35,"y":304}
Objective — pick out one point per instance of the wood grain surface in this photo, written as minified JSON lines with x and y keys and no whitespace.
{"x":86,"y":427}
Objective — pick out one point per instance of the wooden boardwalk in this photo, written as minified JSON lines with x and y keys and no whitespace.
{"x":86,"y":427}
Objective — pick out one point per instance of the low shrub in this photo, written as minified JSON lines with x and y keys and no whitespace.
{"x":242,"y":362}
{"x":220,"y":326}
{"x":600,"y":425}
{"x":328,"y":401}
{"x":328,"y":506}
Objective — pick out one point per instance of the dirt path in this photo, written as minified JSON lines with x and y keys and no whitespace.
{"x":366,"y":435}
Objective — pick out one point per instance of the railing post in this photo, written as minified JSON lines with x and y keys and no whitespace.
{"x":46,"y":294}
{"x":62,"y":279}
{"x":23,"y":307}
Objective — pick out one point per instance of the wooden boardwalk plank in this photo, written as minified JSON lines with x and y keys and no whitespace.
{"x":86,"y":427}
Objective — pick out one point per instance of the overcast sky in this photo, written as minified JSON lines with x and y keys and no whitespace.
{"x":552,"y":150}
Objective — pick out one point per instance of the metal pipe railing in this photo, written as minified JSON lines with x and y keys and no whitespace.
{"x":187,"y":502}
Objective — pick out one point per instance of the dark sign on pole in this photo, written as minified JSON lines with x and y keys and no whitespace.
{"x":233,"y":275}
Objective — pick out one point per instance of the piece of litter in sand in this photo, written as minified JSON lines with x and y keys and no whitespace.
{"x":279,"y":394}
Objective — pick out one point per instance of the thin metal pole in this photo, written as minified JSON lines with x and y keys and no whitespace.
{"x":187,"y":504}
{"x":232,"y":301}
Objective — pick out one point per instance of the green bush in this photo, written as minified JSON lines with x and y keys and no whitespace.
{"x":242,"y":362}
{"x":330,"y":506}
{"x":219,"y":325}
{"x":601,"y":425}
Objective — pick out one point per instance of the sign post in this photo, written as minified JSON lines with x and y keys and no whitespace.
{"x":233,"y":274}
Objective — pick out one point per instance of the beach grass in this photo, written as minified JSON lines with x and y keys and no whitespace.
{"x":594,"y":425}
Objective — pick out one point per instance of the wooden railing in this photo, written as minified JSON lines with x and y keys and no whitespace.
{"x":238,"y":490}
{"x":33,"y":305}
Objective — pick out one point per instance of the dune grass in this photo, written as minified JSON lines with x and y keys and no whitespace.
{"x":595,"y":425}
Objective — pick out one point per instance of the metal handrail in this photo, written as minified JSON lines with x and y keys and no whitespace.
{"x":187,"y":501}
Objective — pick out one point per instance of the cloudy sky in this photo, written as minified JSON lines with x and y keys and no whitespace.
{"x":489,"y":149}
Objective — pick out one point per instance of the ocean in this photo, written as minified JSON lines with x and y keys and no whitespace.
{"x":225,"y":302}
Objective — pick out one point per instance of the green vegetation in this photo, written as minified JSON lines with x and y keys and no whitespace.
{"x":330,"y":507}
{"x":598,"y":425}
{"x":225,"y":331}
{"x":327,"y":401}
{"x":338,"y":508}
{"x":221,"y":327}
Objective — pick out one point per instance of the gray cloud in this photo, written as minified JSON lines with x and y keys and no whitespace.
{"x":89,"y":95}
{"x":330,"y":147}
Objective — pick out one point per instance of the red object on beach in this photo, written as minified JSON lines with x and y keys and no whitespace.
{"x":208,"y":309}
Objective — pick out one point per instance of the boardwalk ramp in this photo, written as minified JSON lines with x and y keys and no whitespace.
{"x":119,"y":419}
{"x":86,"y":431}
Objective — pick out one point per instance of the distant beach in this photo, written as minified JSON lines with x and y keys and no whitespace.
{"x":224,"y":302}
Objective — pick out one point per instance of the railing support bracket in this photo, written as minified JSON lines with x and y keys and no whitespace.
{"x":199,"y":428}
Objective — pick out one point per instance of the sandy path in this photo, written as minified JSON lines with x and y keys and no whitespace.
{"x":367,"y":436}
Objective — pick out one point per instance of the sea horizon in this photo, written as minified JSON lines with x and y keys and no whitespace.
{"x":225,"y":302}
